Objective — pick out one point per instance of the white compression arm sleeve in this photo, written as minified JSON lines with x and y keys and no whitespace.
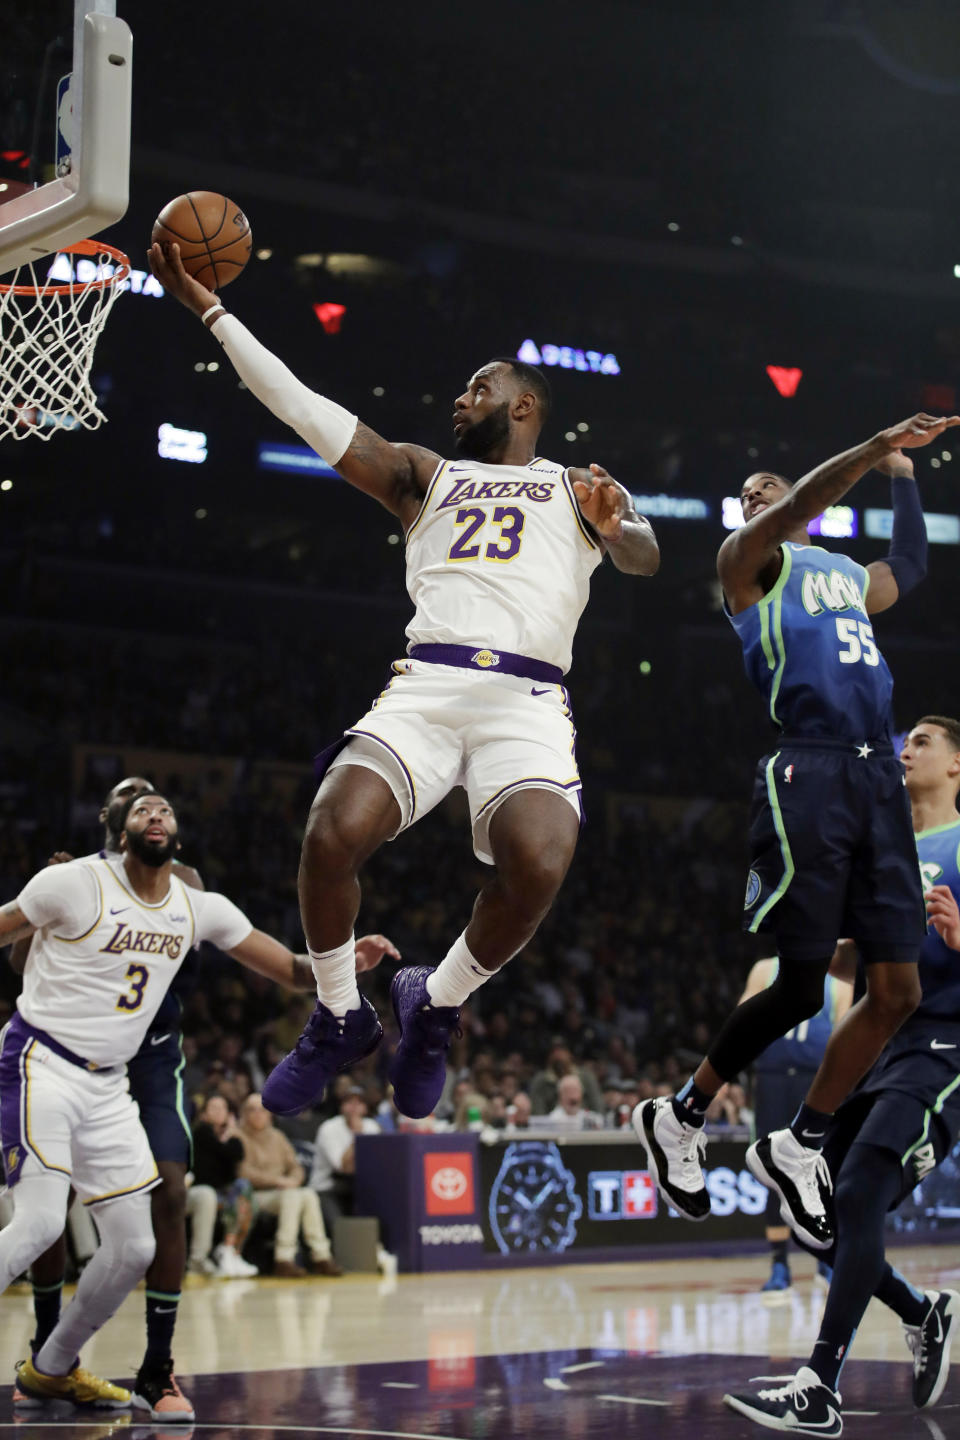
{"x":325,"y":426}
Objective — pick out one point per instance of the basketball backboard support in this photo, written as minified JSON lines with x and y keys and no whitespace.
{"x":91,"y":187}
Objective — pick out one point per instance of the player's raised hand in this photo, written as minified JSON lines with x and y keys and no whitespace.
{"x":896,"y":465}
{"x":370,"y":950}
{"x":602,"y":501}
{"x":168,"y":269}
{"x":944,"y":914}
{"x":918,"y":430}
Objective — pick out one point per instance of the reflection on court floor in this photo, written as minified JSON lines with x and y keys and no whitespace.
{"x":550,"y":1354}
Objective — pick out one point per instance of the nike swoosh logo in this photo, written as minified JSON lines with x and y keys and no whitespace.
{"x":535,"y":691}
{"x":158,"y":1040}
{"x":170,"y":1310}
{"x":119,"y":910}
{"x":941,"y":1045}
{"x":813,"y":1134}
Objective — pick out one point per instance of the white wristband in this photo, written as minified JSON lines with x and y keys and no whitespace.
{"x":212,"y":311}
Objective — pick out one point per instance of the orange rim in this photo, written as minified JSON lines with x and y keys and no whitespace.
{"x":85,"y":249}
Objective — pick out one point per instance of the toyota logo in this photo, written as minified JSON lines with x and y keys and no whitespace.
{"x":449,"y":1183}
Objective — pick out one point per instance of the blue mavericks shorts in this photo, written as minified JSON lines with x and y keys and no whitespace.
{"x":833,"y":853}
{"x":908,"y":1103}
{"x":156,"y":1084}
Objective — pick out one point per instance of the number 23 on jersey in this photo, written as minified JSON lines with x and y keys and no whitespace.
{"x":507,"y":522}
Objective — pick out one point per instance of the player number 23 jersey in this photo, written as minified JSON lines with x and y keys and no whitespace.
{"x":500,"y":556}
{"x":102,"y":958}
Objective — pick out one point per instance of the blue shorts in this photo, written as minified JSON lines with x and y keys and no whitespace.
{"x":156,"y":1084}
{"x":908,"y":1103}
{"x":833,"y":853}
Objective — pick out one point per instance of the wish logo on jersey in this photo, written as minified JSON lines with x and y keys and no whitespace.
{"x":835,"y":591}
{"x":462,"y":490}
{"x":145,"y":942}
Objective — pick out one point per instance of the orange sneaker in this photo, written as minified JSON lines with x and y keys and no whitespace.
{"x":156,"y":1390}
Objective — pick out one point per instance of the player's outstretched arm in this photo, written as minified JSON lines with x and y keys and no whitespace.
{"x":747,"y":552}
{"x":260,"y":952}
{"x":14,"y":925}
{"x":906,"y":562}
{"x":609,"y":509}
{"x":396,"y":475}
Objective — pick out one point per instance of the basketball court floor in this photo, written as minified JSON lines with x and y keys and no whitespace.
{"x":565,"y":1353}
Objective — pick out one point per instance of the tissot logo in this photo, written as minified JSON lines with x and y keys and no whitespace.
{"x":622,"y":1195}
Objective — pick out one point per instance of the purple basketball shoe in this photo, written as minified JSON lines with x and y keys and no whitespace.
{"x":326,"y":1046}
{"x":419,"y":1067}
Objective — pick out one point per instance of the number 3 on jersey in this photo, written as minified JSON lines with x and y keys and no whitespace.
{"x":857,"y":638}
{"x":507,"y":518}
{"x":138,"y":975}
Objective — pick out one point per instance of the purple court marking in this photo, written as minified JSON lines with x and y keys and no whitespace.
{"x":505,"y":1397}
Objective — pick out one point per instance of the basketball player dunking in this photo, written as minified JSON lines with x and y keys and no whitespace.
{"x":832,"y":847}
{"x":500,"y":549}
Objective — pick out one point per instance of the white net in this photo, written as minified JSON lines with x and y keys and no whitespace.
{"x":48,"y":333}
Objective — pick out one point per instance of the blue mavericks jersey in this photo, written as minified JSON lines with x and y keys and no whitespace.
{"x":802,"y":1047}
{"x":808,"y":647}
{"x":170,"y":1014}
{"x":939,"y":852}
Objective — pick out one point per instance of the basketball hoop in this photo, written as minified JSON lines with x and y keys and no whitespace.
{"x":48,"y":333}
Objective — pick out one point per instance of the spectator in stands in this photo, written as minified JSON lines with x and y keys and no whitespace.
{"x":518,"y":1112}
{"x":270,"y":1164}
{"x":543,"y":1090}
{"x":217,"y":1157}
{"x":569,"y":1112}
{"x":334,"y":1157}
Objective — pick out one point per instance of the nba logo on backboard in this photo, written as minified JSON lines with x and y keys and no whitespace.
{"x":639,"y":1195}
{"x":448,"y":1182}
{"x":64,"y":127}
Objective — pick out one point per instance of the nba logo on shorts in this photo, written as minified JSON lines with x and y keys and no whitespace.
{"x":485,"y":659}
{"x":753,"y":890}
{"x":448,"y":1182}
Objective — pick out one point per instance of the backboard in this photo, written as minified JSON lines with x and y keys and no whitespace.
{"x":65,"y":142}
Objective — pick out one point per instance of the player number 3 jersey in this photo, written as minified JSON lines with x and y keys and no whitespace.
{"x":500,"y":557}
{"x":102,"y":958}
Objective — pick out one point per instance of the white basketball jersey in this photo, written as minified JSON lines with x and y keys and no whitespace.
{"x":500,"y":557}
{"x":102,"y":959}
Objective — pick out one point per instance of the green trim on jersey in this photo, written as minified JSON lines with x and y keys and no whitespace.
{"x":789,"y":869}
{"x":771,"y":629}
{"x":936,"y":829}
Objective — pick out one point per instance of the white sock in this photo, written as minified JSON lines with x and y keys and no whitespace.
{"x":336,"y":972}
{"x":457,"y":976}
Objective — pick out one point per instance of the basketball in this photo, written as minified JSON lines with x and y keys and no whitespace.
{"x":213,"y":235}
